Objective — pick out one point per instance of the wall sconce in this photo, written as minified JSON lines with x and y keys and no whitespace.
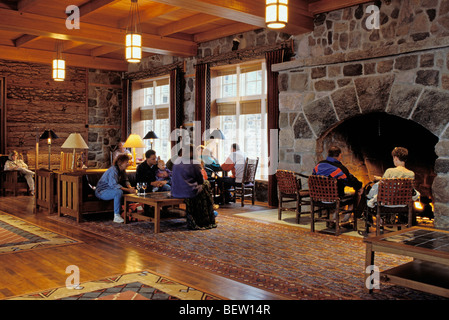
{"x":134,"y":141}
{"x":59,"y":63}
{"x":49,"y":135}
{"x":151,"y":135}
{"x":74,"y":141}
{"x":133,"y":34}
{"x":276,"y":13}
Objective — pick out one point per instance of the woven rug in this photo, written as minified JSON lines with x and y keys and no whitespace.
{"x":143,"y":285}
{"x":290,"y":261}
{"x":17,"y":235}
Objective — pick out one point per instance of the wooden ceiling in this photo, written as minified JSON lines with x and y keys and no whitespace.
{"x":29,"y":28}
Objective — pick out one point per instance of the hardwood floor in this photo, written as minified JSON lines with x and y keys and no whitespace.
{"x":98,"y":257}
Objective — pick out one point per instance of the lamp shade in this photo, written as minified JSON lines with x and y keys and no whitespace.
{"x":134,"y":141}
{"x":150,"y":135}
{"x":276,"y":13}
{"x":48,"y":134}
{"x":217,"y":134}
{"x":75,"y":141}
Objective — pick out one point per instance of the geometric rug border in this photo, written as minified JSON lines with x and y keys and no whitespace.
{"x":55,"y":239}
{"x":163,"y":283}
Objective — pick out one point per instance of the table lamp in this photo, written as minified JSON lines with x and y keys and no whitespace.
{"x":134,"y":141}
{"x":151,"y":135}
{"x":74,"y":141}
{"x":48,"y":134}
{"x":216,"y":134}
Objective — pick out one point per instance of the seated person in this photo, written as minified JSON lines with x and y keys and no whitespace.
{"x":400,"y":156}
{"x":146,"y":171}
{"x":188,"y":183}
{"x":121,"y":150}
{"x":163,"y":174}
{"x":210,"y":162}
{"x":332,"y":167}
{"x":236,"y":164}
{"x":14,"y":162}
{"x":109,"y":187}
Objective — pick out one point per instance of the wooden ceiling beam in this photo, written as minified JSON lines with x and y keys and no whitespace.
{"x":155,"y":10}
{"x":322,"y":6}
{"x":223,"y":32}
{"x":24,"y":39}
{"x":23,"y":5}
{"x":240,"y":10}
{"x":75,"y":60}
{"x":103,"y":50}
{"x":187,"y":23}
{"x":28,"y":23}
{"x":93,"y":5}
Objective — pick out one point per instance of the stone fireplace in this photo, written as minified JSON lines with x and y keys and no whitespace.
{"x":369,"y":91}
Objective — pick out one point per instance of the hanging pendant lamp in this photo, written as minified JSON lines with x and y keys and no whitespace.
{"x":276,"y":13}
{"x":133,"y":34}
{"x":58,"y":63}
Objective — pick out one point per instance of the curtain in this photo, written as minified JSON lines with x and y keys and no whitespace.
{"x":176,"y":99}
{"x":271,"y":58}
{"x":202,"y":97}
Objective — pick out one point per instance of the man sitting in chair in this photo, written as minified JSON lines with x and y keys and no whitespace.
{"x":332,"y":167}
{"x":236,"y":164}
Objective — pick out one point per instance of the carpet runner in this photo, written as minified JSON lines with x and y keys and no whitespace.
{"x":143,"y":285}
{"x":17,"y":235}
{"x":290,"y":261}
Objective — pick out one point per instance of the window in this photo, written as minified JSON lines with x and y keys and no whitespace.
{"x":151,"y":106}
{"x":238,"y":109}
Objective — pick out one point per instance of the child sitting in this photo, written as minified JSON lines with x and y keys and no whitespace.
{"x":163,"y":174}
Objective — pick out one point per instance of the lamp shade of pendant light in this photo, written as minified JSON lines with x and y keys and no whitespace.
{"x":276,"y":13}
{"x":133,"y":35}
{"x":59,"y":63}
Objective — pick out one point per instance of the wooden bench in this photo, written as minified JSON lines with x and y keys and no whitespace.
{"x":76,"y":195}
{"x":74,"y":200}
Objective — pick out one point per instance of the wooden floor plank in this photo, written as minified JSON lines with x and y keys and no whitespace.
{"x":98,"y":257}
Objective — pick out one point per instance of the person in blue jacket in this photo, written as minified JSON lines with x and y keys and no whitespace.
{"x":332,"y":167}
{"x":109,"y":187}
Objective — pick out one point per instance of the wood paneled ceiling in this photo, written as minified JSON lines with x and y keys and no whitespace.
{"x":29,"y":28}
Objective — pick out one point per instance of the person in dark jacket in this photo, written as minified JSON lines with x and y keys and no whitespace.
{"x":188,"y":183}
{"x":332,"y":167}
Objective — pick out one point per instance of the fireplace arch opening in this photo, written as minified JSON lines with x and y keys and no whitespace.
{"x":367,"y":141}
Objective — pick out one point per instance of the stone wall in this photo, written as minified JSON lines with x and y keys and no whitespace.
{"x":34,"y":103}
{"x":105,"y":95}
{"x":342,"y":70}
{"x":88,"y":102}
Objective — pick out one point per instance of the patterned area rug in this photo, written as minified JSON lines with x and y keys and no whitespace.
{"x":290,"y":261}
{"x":143,"y":285}
{"x":17,"y":235}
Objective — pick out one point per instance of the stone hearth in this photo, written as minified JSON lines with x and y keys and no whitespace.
{"x":343,"y":72}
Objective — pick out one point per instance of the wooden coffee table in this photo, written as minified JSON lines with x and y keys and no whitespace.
{"x":156,"y":200}
{"x":428,"y":272}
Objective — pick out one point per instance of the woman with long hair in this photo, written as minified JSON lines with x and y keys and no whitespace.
{"x":109,"y":187}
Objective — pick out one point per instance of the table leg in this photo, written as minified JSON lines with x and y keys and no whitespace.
{"x":126,"y":211}
{"x":157,"y":218}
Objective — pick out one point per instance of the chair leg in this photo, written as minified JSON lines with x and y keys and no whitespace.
{"x":337,"y":219}
{"x":280,"y":207}
{"x":298,"y":209}
{"x":253,"y":198}
{"x":378,"y":223}
{"x":312,"y":214}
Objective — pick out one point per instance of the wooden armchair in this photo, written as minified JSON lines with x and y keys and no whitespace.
{"x":324,"y":195}
{"x":11,"y":180}
{"x":290,"y":187}
{"x":393,"y":198}
{"x":247,"y":188}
